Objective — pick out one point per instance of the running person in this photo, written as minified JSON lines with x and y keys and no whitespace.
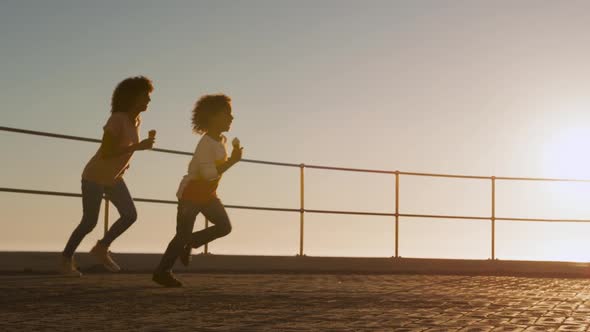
{"x":211,"y":116}
{"x":103,"y":174}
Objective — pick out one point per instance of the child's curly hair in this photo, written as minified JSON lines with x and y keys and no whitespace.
{"x":205,"y":108}
{"x":127,"y":91}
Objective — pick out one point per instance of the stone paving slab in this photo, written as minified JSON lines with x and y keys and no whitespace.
{"x":294,"y":302}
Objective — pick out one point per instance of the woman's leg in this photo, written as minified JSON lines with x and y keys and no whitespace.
{"x":121,"y":198}
{"x":91,"y":199}
{"x":185,"y":221}
{"x":215,"y":212}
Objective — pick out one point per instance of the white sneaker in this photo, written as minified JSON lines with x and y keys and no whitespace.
{"x":102,"y":254}
{"x":67,"y":267}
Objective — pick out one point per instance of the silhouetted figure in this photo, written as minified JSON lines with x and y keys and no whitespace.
{"x":103,"y":174}
{"x":212,"y":115}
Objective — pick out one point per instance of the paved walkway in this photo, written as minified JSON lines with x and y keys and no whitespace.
{"x":292,"y":302}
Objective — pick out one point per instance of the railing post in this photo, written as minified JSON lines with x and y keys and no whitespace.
{"x":206,"y":247}
{"x":396,"y":214}
{"x":106,"y":216}
{"x":493,"y":217}
{"x":301,"y":206}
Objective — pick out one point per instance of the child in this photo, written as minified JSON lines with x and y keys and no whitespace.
{"x":212,"y":115}
{"x":103,"y":174}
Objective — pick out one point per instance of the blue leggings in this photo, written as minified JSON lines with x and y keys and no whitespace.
{"x":92,"y":194}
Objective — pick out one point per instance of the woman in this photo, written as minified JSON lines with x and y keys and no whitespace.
{"x":103,"y":174}
{"x":212,"y":115}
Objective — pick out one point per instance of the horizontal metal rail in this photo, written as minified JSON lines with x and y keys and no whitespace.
{"x":346,"y":169}
{"x":446,"y":175}
{"x":94,"y":140}
{"x":333,"y":168}
{"x":265,"y":208}
{"x":137,"y":199}
{"x":540,"y":179}
{"x":440,"y":216}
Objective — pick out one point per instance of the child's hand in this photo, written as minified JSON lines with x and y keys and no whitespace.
{"x":146,"y":144}
{"x":236,"y":154}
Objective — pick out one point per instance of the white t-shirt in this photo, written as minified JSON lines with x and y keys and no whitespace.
{"x":208,"y":154}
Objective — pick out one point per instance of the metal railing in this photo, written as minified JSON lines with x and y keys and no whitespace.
{"x":302,"y":210}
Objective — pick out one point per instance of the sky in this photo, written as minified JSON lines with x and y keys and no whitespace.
{"x":456,"y":87}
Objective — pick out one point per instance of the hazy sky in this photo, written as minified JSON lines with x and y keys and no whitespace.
{"x":462,"y":87}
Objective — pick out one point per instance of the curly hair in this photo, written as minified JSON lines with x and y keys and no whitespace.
{"x":127,"y":91}
{"x":205,"y":108}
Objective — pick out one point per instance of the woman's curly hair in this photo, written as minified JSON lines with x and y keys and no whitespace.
{"x":205,"y":108}
{"x":127,"y":91}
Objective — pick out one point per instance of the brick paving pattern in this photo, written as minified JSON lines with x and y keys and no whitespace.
{"x":294,"y":302}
